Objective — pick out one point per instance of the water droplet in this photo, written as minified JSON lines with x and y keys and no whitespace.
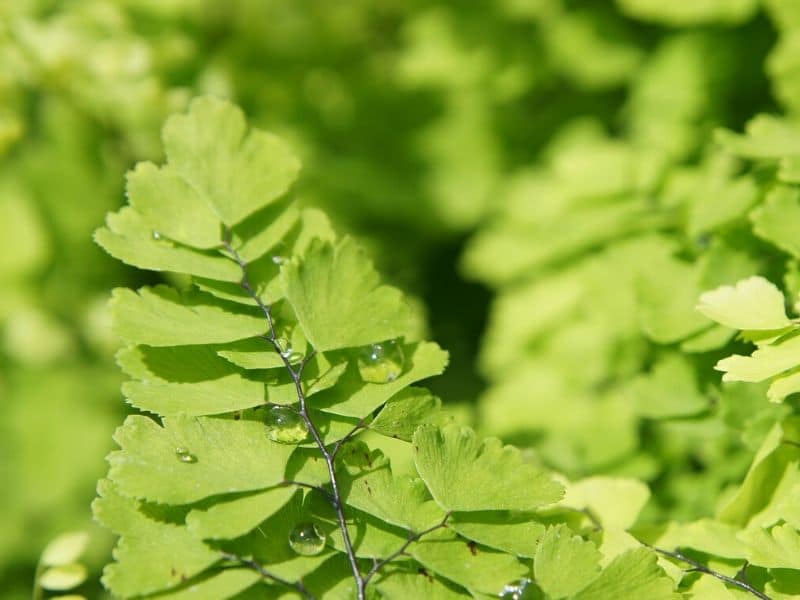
{"x":156,"y":235}
{"x":184,"y":455}
{"x":294,"y":357}
{"x":278,"y":259}
{"x":519,"y":590}
{"x":285,"y":425}
{"x":283,"y":345}
{"x":382,"y":362}
{"x":287,"y":352}
{"x":306,"y":539}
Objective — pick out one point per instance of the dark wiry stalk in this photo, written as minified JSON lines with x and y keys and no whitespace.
{"x":412,"y":537}
{"x":309,"y":486}
{"x":261,"y":570}
{"x":339,"y":443}
{"x":701,"y":568}
{"x":335,"y":497}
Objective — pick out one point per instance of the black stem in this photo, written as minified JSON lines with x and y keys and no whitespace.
{"x":335,"y":497}
{"x":339,"y":443}
{"x":412,"y":537}
{"x":309,"y":486}
{"x":261,"y":570}
{"x":701,"y":568}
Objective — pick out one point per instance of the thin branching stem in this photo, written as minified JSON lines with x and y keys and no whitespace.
{"x":268,"y":575}
{"x":348,"y":436}
{"x":309,"y":486}
{"x":701,"y":568}
{"x":412,"y":537}
{"x":335,"y":496}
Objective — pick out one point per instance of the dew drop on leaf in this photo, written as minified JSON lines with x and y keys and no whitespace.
{"x":278,"y":260}
{"x":306,"y":539}
{"x":285,"y":425}
{"x":382,"y":362}
{"x":156,"y":235}
{"x":519,"y":590}
{"x":184,"y":455}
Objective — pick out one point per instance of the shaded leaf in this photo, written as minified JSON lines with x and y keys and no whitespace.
{"x":160,"y":316}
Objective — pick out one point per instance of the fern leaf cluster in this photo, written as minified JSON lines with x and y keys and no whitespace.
{"x":283,"y":446}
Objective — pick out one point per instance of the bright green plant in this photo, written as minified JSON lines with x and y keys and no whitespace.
{"x":287,"y":450}
{"x":416,"y":113}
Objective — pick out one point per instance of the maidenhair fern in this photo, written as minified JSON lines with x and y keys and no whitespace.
{"x":283,"y":447}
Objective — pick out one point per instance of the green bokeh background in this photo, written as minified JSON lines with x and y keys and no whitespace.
{"x":430,"y":130}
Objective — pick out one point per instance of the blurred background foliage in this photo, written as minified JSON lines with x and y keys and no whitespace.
{"x":542,"y":175}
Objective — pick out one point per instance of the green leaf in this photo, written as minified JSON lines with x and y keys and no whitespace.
{"x":752,"y":304}
{"x":767,"y":137}
{"x":189,"y":380}
{"x":269,"y":543}
{"x":151,"y":554}
{"x":564,"y":563}
{"x":226,"y":456}
{"x":160,"y":316}
{"x":234,"y":172}
{"x":669,"y":390}
{"x":774,"y":467}
{"x":406,"y":411}
{"x":178,"y":364}
{"x":354,"y":397}
{"x":63,"y":577}
{"x":631,"y":576}
{"x":778,"y":219}
{"x":397,"y":499}
{"x":712,"y":338}
{"x":218,"y":396}
{"x":339,"y":301}
{"x":128,"y":238}
{"x":258,"y":353}
{"x":371,"y":537}
{"x":515,"y":533}
{"x":719,"y":202}
{"x":475,"y":567}
{"x":266,"y":229}
{"x":614,"y":501}
{"x":226,"y":583}
{"x":172,"y":207}
{"x":233,"y":517}
{"x":464,"y":473}
{"x":66,"y":548}
{"x":667,"y":292}
{"x":400,"y":584}
{"x":263,"y":272}
{"x":705,"y":535}
{"x":777,"y":548}
{"x":784,"y":386}
{"x":765,"y":362}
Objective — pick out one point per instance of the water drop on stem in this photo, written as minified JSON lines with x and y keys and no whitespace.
{"x":285,"y":425}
